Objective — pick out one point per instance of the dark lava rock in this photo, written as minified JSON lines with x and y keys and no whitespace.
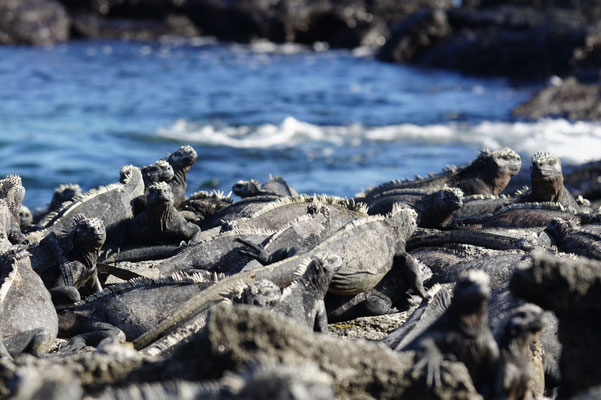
{"x":518,"y":42}
{"x":590,"y":9}
{"x":571,"y":99}
{"x":37,"y":22}
{"x":97,"y":27}
{"x":236,"y":336}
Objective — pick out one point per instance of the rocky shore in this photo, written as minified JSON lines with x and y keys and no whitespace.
{"x":525,"y":42}
{"x":437,"y":287}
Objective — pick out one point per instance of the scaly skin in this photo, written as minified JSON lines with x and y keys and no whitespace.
{"x":463,"y":332}
{"x":488,"y":174}
{"x":275,"y":186}
{"x":111,"y":204}
{"x":69,"y":260}
{"x":29,"y":320}
{"x":13,"y":193}
{"x":434,"y":210}
{"x":161,"y":222}
{"x":571,"y":289}
{"x":181,"y":161}
{"x":572,"y":238}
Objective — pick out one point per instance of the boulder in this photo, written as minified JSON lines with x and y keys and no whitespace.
{"x":518,"y":42}
{"x":37,"y":22}
{"x":570,"y":99}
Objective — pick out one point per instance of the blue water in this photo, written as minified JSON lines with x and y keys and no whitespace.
{"x":329,"y":122}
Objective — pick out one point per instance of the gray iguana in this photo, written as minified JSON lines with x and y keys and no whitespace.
{"x":275,"y":186}
{"x":239,"y":209}
{"x":13,"y":193}
{"x":181,"y":161}
{"x":68,"y":260}
{"x":433,"y":209}
{"x":462,"y":331}
{"x":112,"y":204}
{"x":201,"y":205}
{"x":161,"y":222}
{"x":488,"y":174}
{"x":29,"y":322}
{"x":160,"y":171}
{"x":572,"y":238}
{"x":61,"y":195}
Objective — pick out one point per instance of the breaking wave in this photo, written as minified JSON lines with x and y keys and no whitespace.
{"x":575,"y":142}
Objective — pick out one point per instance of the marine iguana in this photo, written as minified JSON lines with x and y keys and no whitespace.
{"x":463,"y":332}
{"x":181,"y":161}
{"x":69,"y":259}
{"x":130,"y":309}
{"x":161,"y":222}
{"x":359,"y":271}
{"x":520,"y":375}
{"x":13,"y":193}
{"x":6,"y":225}
{"x":219,"y":252}
{"x":434,"y":210}
{"x":160,"y":171}
{"x":275,"y":186}
{"x":29,"y":321}
{"x":239,"y":209}
{"x":478,"y":205}
{"x":60,"y":196}
{"x":392,"y":294}
{"x":224,"y":251}
{"x":488,"y":174}
{"x":201,"y":205}
{"x":546,"y":178}
{"x":281,"y":211}
{"x":431,"y":238}
{"x":499,"y":268}
{"x":429,"y":310}
{"x":571,"y":238}
{"x":303,"y":298}
{"x":111,"y":204}
{"x":503,"y":303}
{"x":380,"y":245}
{"x":521,"y":215}
{"x":571,"y":289}
{"x":25,"y":217}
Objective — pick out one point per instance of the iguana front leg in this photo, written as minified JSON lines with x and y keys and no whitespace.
{"x":410,"y":270}
{"x":264,"y":257}
{"x":66,"y":275}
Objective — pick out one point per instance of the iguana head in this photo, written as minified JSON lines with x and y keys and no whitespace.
{"x":403,"y":220}
{"x":559,"y":227}
{"x":546,"y":177}
{"x":25,"y":216}
{"x":263,"y":293}
{"x":440,"y":206}
{"x":245,"y":189}
{"x":160,"y":171}
{"x":13,"y":192}
{"x":62,"y":194}
{"x":520,"y":325}
{"x":160,"y":194}
{"x":89,"y":234}
{"x":182,"y":158}
{"x":498,"y":167}
{"x":472,"y":292}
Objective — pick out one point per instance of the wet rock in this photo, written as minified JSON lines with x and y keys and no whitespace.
{"x":37,"y":22}
{"x":571,"y":99}
{"x":518,"y":42}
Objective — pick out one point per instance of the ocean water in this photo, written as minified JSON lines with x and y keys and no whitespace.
{"x":328,"y":121}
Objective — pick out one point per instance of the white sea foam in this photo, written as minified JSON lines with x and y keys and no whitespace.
{"x":575,"y":142}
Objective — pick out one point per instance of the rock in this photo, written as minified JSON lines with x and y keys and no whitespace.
{"x":518,"y":42}
{"x":571,"y":99}
{"x":236,"y":336}
{"x":571,"y":288}
{"x":590,"y":9}
{"x":97,"y":27}
{"x":37,"y":22}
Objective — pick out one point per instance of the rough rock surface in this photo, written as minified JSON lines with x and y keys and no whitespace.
{"x":36,"y":22}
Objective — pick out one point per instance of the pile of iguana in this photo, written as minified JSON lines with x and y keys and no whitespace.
{"x":302,"y":261}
